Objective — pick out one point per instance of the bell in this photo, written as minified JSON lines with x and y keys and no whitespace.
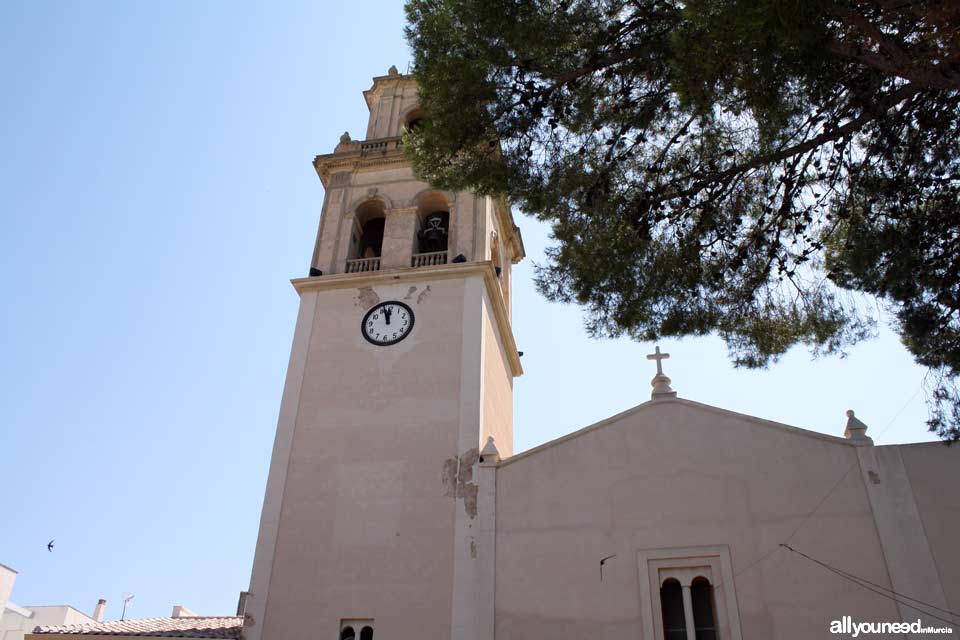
{"x":434,"y":236}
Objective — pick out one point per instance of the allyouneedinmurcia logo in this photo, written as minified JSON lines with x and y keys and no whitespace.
{"x":847,"y":626}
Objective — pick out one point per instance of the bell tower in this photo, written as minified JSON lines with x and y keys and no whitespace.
{"x":401,"y":371}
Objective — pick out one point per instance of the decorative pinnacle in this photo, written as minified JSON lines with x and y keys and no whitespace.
{"x":490,"y":455}
{"x":856,"y":430}
{"x":660,"y":382}
{"x":345,"y":144}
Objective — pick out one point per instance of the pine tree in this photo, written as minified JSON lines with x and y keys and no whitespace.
{"x":755,"y":169}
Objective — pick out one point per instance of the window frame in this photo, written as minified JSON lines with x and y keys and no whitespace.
{"x":357,"y":624}
{"x":684,"y":564}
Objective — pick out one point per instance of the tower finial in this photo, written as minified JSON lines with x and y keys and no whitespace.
{"x":346,"y":144}
{"x":856,"y":430}
{"x":490,"y":454}
{"x":660,"y":382}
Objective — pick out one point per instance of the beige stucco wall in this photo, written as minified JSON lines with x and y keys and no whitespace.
{"x":466,"y":228}
{"x":497,"y":386}
{"x":392,"y":98}
{"x":674,"y":474}
{"x":365,"y":529}
{"x":934,"y":475}
{"x":372,"y":492}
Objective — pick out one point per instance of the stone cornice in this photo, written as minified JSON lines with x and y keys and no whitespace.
{"x":379,"y":82}
{"x":369,"y":154}
{"x":447,"y":271}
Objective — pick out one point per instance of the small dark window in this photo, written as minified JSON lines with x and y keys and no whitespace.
{"x":671,"y":602}
{"x":704,"y":621}
{"x":371,"y":240}
{"x":347,"y":634}
{"x":366,"y":633}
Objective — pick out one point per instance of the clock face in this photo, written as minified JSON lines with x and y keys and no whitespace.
{"x":387,"y":323}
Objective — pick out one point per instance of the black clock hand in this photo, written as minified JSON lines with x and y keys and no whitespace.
{"x":387,"y":313}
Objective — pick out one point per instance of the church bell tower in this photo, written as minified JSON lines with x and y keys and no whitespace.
{"x":400,"y":374}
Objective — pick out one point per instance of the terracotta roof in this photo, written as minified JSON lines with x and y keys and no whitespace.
{"x":194,"y":627}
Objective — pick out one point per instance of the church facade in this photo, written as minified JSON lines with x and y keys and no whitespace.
{"x":396,"y":508}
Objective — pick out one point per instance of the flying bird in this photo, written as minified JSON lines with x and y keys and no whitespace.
{"x":50,"y":546}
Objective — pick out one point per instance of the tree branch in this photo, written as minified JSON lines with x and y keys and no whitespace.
{"x":898,"y":62}
{"x":850,"y":127}
{"x":921,"y":77}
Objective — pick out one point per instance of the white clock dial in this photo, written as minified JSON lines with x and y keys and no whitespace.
{"x":387,"y":323}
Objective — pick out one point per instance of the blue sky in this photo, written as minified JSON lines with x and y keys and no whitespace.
{"x":156,"y":196}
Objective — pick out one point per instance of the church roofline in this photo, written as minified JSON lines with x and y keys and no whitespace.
{"x":689,"y":403}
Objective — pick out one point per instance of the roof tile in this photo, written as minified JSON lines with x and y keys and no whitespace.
{"x":196,"y":627}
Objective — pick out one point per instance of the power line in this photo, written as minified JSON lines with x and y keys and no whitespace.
{"x":862,"y":582}
{"x":897,"y":414}
{"x":856,"y":462}
{"x":798,"y":527}
{"x":899,"y":595}
{"x":748,"y":567}
{"x":824,"y":498}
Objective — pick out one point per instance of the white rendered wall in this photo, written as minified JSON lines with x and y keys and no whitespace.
{"x":676,"y":474}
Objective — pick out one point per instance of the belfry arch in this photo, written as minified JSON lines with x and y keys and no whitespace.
{"x":432,"y":231}
{"x":365,"y":231}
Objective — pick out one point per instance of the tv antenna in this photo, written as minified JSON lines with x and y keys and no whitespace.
{"x":127,"y":597}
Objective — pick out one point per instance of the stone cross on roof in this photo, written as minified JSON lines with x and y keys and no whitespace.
{"x":658,"y":357}
{"x":660,"y":382}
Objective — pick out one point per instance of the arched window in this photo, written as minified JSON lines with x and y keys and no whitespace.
{"x":671,"y":601}
{"x":413,"y":120}
{"x":371,"y":239}
{"x":433,"y":230}
{"x":347,"y":633}
{"x":704,"y":620}
{"x":366,"y":633}
{"x":366,"y":238}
